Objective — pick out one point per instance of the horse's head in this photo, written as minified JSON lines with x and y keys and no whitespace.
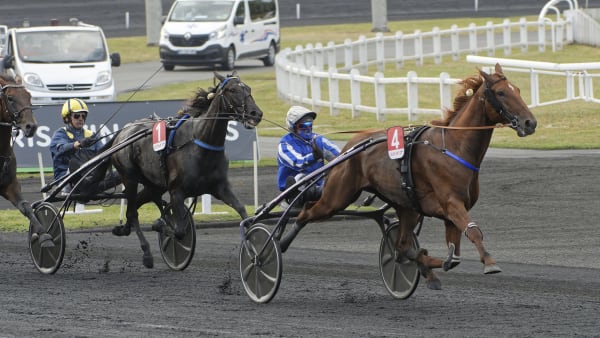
{"x":15,"y":106}
{"x":504,"y":103}
{"x":235,"y":98}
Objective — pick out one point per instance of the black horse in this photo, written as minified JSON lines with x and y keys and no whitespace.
{"x":195,"y":162}
{"x":16,"y":112}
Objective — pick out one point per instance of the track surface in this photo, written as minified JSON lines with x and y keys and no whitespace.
{"x":539,"y":214}
{"x":540,"y":220}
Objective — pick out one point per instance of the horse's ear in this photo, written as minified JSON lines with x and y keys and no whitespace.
{"x":219,"y":76}
{"x":486,"y":77}
{"x":498,"y":69}
{"x":234,"y":74}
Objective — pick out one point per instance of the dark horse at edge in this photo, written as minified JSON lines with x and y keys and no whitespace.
{"x":16,"y":112}
{"x":445,"y":169}
{"x":196,"y":163}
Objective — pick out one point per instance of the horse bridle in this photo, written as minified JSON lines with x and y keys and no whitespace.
{"x":9,"y":108}
{"x":490,"y":96}
{"x":233,"y":110}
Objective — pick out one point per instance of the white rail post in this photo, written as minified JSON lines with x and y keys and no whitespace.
{"x":506,"y":37}
{"x":455,"y":42}
{"x":418,"y":47}
{"x":490,"y":44}
{"x":473,"y":38}
{"x":380,"y":102}
{"x":399,"y":39}
{"x":413,"y":94}
{"x":355,"y":98}
{"x":437,"y":46}
{"x":523,"y":34}
{"x":334,"y":91}
{"x":445,"y":92}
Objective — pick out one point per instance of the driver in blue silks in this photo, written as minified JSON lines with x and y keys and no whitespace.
{"x":301,"y":152}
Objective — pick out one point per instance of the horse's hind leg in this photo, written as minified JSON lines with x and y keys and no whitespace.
{"x":408,"y":220}
{"x":336,"y":196}
{"x":133,"y":221}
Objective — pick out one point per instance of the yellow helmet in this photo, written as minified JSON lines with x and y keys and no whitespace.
{"x":73,"y":106}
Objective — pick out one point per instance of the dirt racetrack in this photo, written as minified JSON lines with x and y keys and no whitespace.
{"x":539,"y":216}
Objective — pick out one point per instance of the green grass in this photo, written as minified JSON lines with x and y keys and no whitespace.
{"x":573,"y":125}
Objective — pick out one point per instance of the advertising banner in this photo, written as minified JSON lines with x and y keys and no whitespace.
{"x":238,"y":144}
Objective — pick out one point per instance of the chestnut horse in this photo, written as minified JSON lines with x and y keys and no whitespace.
{"x":445,"y":172}
{"x":16,"y":112}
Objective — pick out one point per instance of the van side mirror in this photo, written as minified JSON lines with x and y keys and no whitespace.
{"x":8,"y":62}
{"x":115,"y":59}
{"x":238,"y":20}
{"x":163,"y":19}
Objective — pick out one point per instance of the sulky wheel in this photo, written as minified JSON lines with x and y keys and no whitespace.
{"x":177,"y":253}
{"x":400,"y":275}
{"x":48,"y":259}
{"x":260,"y":264}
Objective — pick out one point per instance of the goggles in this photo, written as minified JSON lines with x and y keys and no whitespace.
{"x":79,"y":115}
{"x":304,"y":125}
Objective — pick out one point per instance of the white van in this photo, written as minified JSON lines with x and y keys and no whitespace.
{"x":219,"y":32}
{"x":60,"y":62}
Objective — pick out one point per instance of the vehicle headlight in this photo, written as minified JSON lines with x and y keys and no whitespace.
{"x":33,"y":80}
{"x":218,"y":34}
{"x":104,"y":78}
{"x":164,"y":36}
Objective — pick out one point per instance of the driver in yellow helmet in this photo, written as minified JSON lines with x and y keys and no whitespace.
{"x":74,"y":141}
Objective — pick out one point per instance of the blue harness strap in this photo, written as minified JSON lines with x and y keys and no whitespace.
{"x":207,"y":146}
{"x":460,"y":160}
{"x":172,"y":132}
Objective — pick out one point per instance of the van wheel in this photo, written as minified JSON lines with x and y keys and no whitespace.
{"x":168,"y":67}
{"x":229,"y":60}
{"x":269,"y":60}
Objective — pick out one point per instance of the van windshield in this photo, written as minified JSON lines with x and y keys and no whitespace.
{"x":61,"y":46}
{"x":201,"y":11}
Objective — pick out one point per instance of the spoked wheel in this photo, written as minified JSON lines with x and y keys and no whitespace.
{"x":48,"y":259}
{"x":260,"y":264}
{"x":400,"y":275}
{"x":177,"y":253}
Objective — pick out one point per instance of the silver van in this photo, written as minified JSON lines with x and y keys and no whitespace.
{"x":219,"y":32}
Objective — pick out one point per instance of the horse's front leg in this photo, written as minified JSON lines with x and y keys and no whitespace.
{"x":459,"y":216}
{"x":225,"y":194}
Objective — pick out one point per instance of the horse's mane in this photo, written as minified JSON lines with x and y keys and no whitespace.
{"x":462,"y":97}
{"x":198,"y":105}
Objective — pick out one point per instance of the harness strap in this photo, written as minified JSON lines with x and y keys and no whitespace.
{"x":460,"y":160}
{"x":408,"y":183}
{"x":208,"y":146}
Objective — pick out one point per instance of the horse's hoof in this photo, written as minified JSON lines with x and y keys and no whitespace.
{"x":148,"y":261}
{"x":46,"y":241}
{"x":159,"y":224}
{"x":435,"y":284}
{"x":180,"y":234}
{"x":121,"y":230}
{"x":452,"y":260}
{"x":491,"y":269}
